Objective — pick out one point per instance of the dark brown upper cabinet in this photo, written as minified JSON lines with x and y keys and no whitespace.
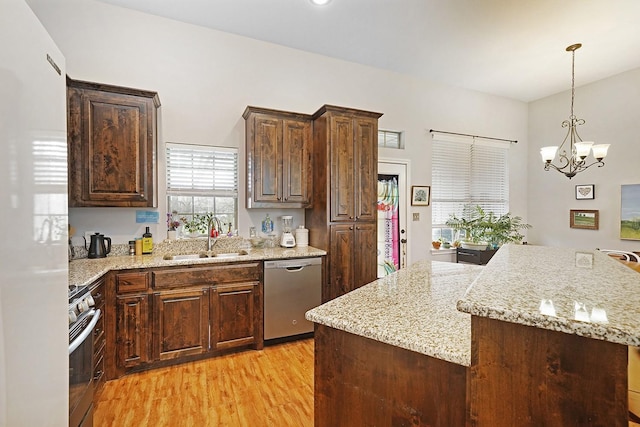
{"x":278,"y":145}
{"x":112,"y":139}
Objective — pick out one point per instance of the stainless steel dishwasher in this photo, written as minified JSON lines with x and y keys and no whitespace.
{"x":291,"y":288}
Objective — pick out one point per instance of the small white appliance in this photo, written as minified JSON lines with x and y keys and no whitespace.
{"x":287,"y":240}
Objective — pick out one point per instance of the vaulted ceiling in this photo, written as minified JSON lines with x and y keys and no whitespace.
{"x":509,"y":48}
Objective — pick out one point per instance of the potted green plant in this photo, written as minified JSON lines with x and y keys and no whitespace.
{"x":485,"y":229}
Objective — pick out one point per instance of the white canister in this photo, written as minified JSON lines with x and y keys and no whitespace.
{"x":302,"y":236}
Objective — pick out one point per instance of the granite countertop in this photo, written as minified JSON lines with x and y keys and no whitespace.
{"x":84,"y":271}
{"x":414,"y":308}
{"x":575,"y":291}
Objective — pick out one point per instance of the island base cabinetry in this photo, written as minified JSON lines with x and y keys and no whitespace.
{"x":362,"y":382}
{"x":525,"y":376}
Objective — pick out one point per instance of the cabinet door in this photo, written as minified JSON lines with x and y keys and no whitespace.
{"x":132,"y":330}
{"x":180,"y":323}
{"x":236,"y":315}
{"x":341,"y":256}
{"x":365,"y":251}
{"x":266,"y":159}
{"x":111,"y":148}
{"x":366,"y":166}
{"x":343,"y":186}
{"x":296,"y":162}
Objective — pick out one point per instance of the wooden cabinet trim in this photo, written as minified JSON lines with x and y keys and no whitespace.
{"x":211,"y":275}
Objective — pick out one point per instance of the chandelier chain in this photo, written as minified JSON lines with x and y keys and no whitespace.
{"x":573,"y":79}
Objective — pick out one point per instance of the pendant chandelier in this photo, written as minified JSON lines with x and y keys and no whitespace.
{"x":573,"y":152}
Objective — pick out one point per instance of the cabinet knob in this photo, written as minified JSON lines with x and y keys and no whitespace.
{"x":350,"y":228}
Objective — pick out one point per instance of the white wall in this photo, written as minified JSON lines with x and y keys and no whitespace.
{"x":206,"y":78}
{"x":611,"y":109}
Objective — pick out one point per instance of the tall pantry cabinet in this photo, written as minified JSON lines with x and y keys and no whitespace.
{"x":342,"y":219}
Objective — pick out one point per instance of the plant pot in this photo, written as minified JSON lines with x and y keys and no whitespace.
{"x":172,"y":234}
{"x":480,"y":246}
{"x":436,"y":245}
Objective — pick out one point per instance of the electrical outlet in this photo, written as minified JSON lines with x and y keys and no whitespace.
{"x":416,"y":216}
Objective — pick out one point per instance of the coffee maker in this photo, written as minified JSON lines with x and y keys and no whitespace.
{"x":287,"y":240}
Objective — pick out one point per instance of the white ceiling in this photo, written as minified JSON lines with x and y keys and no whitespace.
{"x":511,"y":48}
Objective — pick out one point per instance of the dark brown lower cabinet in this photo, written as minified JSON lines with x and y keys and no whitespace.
{"x":352,"y":258}
{"x":161,"y":316}
{"x":236,"y":315}
{"x":180,"y":323}
{"x":132,"y":340}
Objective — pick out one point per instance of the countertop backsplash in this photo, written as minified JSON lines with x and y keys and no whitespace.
{"x":179,"y":246}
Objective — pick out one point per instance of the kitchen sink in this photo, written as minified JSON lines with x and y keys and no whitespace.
{"x":230,"y":254}
{"x":178,"y":257}
{"x":171,"y":257}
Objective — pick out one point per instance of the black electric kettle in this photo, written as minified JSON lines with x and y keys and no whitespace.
{"x":97,"y":248}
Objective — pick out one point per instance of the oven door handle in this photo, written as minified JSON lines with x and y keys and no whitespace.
{"x":87,"y":331}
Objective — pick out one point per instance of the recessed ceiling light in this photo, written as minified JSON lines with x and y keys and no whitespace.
{"x":320,"y":2}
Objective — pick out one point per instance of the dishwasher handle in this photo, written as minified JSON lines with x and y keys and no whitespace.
{"x":292,"y":265}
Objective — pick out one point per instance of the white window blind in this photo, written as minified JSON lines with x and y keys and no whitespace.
{"x":201,"y":169}
{"x":468,"y":171}
{"x":390,"y":139}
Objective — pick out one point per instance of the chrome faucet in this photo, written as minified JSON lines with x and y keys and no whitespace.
{"x":211,"y":242}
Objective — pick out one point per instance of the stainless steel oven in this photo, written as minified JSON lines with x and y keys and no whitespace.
{"x":82,"y":321}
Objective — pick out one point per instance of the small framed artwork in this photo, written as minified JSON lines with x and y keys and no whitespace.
{"x":585,"y":192}
{"x":580,"y":218}
{"x":629,"y":218}
{"x":420,"y":195}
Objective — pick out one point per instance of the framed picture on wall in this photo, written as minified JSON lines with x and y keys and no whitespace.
{"x":420,"y":195}
{"x":581,"y":218}
{"x":630,"y":212}
{"x":585,"y":192}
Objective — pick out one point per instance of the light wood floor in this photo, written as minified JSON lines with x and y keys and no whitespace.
{"x":272,"y":387}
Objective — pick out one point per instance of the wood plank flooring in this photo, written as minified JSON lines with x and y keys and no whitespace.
{"x":272,"y":387}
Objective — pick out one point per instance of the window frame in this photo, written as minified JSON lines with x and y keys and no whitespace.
{"x":198,"y":186}
{"x":479,"y":175}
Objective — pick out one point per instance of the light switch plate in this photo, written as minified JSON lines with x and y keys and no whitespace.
{"x":416,"y":216}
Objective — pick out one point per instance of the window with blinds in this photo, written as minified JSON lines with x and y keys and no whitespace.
{"x":467,"y":171}
{"x":202,"y":179}
{"x":390,"y":139}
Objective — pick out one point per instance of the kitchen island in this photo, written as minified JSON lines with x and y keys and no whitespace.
{"x":415,"y":349}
